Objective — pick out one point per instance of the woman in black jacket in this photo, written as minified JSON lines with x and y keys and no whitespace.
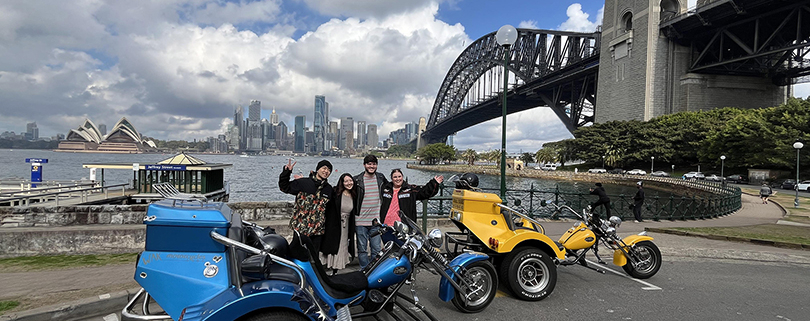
{"x":397,"y":195}
{"x":338,"y":238}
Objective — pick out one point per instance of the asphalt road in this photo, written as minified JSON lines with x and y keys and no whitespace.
{"x":701,"y":279}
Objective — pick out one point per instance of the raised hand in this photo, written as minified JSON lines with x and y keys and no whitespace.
{"x":439,"y":179}
{"x":290,"y":164}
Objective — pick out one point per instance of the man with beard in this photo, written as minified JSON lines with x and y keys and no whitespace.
{"x":368,"y":185}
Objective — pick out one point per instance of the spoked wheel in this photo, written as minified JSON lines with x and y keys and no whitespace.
{"x":650,"y":260}
{"x":483,"y":284}
{"x":530,"y":273}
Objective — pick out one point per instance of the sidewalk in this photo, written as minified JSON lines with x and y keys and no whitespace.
{"x":61,"y":288}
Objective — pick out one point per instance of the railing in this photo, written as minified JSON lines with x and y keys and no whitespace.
{"x":59,"y":193}
{"x":709,"y":200}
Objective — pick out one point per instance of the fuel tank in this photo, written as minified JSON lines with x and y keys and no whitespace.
{"x":578,"y":237}
{"x":390,"y":271}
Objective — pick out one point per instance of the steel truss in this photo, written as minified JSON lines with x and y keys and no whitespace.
{"x":747,"y":37}
{"x":548,"y":68}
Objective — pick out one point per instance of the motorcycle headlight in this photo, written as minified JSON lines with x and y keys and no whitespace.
{"x":610,"y":231}
{"x":435,"y":237}
{"x":401,"y":227}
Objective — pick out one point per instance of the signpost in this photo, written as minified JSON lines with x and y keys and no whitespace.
{"x":36,"y":169}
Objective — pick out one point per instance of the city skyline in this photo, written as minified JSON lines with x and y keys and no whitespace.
{"x":176,"y":67}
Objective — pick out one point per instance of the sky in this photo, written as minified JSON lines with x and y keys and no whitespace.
{"x":177,"y":68}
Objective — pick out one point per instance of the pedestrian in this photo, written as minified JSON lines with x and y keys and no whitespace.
{"x":603,"y":200}
{"x":368,"y":185}
{"x":638,"y":202}
{"x":338,"y":237}
{"x":398,"y":195}
{"x":311,"y":196}
{"x":765,"y":192}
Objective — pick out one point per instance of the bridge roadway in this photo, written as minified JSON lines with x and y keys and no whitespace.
{"x":701,"y":279}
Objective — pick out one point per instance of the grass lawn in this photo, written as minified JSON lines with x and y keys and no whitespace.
{"x":769,"y":232}
{"x":52,"y":262}
{"x":8,"y":305}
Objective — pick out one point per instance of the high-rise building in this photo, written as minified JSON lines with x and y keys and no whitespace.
{"x":346,"y":129}
{"x":239,"y":122}
{"x":411,"y":129}
{"x":232,"y":137}
{"x":274,"y":118}
{"x":300,"y":138}
{"x":320,"y":122}
{"x":281,"y":136}
{"x":255,"y":111}
{"x":361,"y":134}
{"x":373,"y":138}
{"x":332,"y":136}
{"x":31,"y":131}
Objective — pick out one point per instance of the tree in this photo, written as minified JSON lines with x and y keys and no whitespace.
{"x":470,"y":156}
{"x":438,"y":152}
{"x":403,"y":151}
{"x":527,"y":158}
{"x":546,"y":155}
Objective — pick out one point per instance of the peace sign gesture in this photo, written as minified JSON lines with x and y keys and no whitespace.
{"x":290,"y":164}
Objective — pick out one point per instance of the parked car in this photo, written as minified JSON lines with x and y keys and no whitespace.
{"x":637,"y":171}
{"x":549,"y":167}
{"x":714,"y":178}
{"x":737,"y":179}
{"x":694,"y":175}
{"x":788,"y":184}
{"x":803,"y":186}
{"x":616,"y":171}
{"x":660,"y":174}
{"x":597,"y":170}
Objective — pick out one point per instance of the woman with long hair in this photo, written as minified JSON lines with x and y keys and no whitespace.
{"x":338,"y":240}
{"x":398,"y":195}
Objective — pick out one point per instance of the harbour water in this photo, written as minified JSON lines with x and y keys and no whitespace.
{"x":251,"y":179}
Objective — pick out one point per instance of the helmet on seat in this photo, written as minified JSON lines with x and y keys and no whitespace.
{"x":274,"y":244}
{"x":467,"y":181}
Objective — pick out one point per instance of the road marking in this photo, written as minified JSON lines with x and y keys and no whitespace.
{"x":648,"y":286}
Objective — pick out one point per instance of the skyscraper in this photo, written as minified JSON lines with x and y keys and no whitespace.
{"x":31,"y":131}
{"x":373,"y":138}
{"x":361,"y":134}
{"x":410,"y":130}
{"x":255,"y":111}
{"x":320,"y":121}
{"x":274,"y":118}
{"x":239,"y":122}
{"x":300,"y":134}
{"x":346,"y":130}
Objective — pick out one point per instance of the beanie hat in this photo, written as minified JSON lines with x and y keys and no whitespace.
{"x":324,"y":163}
{"x":599,"y":184}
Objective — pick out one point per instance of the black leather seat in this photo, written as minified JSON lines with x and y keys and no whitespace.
{"x":339,"y":286}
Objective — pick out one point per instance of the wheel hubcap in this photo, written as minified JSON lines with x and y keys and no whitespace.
{"x":532,"y":275}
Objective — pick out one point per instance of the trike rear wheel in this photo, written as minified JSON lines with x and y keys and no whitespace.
{"x":529,"y":273}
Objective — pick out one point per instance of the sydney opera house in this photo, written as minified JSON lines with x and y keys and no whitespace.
{"x":122,"y":138}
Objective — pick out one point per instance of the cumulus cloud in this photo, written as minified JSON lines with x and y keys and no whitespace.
{"x":578,"y":20}
{"x":364,"y":8}
{"x":528,"y":24}
{"x":176,"y":68}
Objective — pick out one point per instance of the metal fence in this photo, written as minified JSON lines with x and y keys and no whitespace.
{"x":710,"y":200}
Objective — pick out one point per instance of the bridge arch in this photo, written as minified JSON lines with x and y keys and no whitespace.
{"x":547,"y":68}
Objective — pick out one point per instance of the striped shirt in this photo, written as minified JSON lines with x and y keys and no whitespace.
{"x":370,"y":208}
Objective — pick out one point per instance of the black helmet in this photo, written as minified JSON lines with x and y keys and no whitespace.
{"x":467,"y":181}
{"x":274,"y":244}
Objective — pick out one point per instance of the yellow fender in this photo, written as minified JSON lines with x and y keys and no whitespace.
{"x":618,"y":256}
{"x":522,"y":235}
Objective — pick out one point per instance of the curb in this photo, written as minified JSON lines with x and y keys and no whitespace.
{"x":789,"y":245}
{"x":76,"y":310}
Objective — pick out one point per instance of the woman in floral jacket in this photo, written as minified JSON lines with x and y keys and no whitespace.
{"x":311,"y":196}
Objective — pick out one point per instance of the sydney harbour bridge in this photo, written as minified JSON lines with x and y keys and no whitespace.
{"x":643,"y":62}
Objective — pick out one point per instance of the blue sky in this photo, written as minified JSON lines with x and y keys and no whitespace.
{"x":178,"y":68}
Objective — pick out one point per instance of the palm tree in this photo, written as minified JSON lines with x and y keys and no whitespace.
{"x":470,"y":156}
{"x":527,"y":158}
{"x":614,"y":156}
{"x":546,"y":155}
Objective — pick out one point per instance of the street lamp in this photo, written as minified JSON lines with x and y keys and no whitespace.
{"x":603,"y":161}
{"x":652,"y":164}
{"x":722,"y":165}
{"x":798,"y":146}
{"x":506,"y":36}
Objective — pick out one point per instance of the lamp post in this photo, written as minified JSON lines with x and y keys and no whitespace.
{"x":798,"y":146}
{"x":603,"y":161}
{"x":652,"y":164}
{"x":722,"y":165}
{"x":506,"y":36}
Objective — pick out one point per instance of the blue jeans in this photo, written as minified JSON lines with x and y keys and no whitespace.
{"x":363,"y":242}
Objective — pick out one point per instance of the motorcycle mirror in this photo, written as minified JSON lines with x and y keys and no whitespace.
{"x":517,"y":202}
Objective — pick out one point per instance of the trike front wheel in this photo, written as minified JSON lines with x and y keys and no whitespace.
{"x":480,"y":289}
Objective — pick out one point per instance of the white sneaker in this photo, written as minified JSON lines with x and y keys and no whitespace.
{"x":636,"y":221}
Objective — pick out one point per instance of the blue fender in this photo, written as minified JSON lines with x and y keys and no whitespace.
{"x":268,"y":294}
{"x":446,"y":290}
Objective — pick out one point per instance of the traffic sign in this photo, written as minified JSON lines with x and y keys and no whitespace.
{"x":37,"y":160}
